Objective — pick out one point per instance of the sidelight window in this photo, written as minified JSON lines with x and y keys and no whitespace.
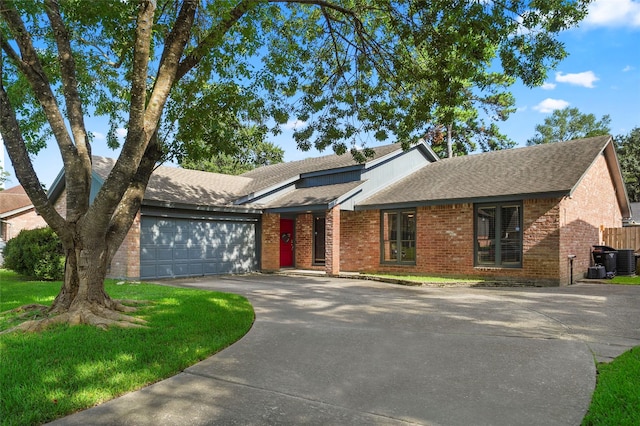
{"x":498,"y":235}
{"x":399,"y":236}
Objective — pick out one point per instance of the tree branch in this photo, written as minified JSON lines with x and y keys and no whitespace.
{"x":69,"y":81}
{"x":77,"y":189}
{"x":143,"y":122}
{"x":196,"y":55}
{"x":141,"y":54}
{"x":125,"y":214}
{"x":170,"y":61}
{"x":14,"y":142}
{"x":30,"y":65}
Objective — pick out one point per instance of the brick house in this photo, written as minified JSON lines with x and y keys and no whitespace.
{"x":511,"y":215}
{"x":17,"y":213}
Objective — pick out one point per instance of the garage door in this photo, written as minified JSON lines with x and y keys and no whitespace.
{"x":176,"y":247}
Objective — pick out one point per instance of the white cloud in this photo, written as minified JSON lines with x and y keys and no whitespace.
{"x":550,"y":105}
{"x":548,"y":86}
{"x":121,"y":132}
{"x":584,"y":79}
{"x":294,"y":124}
{"x":628,"y":68}
{"x":98,"y":136}
{"x":614,"y":13}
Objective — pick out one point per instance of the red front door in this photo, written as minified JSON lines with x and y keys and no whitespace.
{"x":286,"y":243}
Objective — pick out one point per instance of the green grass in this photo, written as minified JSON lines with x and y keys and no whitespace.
{"x":616,"y":400}
{"x":50,"y":374}
{"x":426,"y":279}
{"x":626,"y":280}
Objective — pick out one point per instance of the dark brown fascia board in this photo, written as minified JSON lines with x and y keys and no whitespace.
{"x":201,"y":207}
{"x":479,"y":200}
{"x":298,"y":209}
{"x":266,"y":191}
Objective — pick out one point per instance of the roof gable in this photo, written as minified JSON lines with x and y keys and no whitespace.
{"x":268,"y":176}
{"x":173,"y":185}
{"x":276,"y":181}
{"x":194,"y":187}
{"x":183,"y":186}
{"x":520,"y":172}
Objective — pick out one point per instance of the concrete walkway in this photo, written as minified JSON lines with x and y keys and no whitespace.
{"x":344,"y":352}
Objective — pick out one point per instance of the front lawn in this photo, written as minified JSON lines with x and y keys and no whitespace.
{"x":616,"y":400}
{"x":51,"y":374}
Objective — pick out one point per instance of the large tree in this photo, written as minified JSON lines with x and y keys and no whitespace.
{"x":567,"y":124}
{"x":467,"y":121}
{"x":225,"y":144}
{"x":343,"y":68}
{"x":237,"y":160}
{"x":628,"y":149}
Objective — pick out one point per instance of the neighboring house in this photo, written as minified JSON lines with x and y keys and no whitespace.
{"x":17,"y":213}
{"x":510,"y":215}
{"x":634,"y":220}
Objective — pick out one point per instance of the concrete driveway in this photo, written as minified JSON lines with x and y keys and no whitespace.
{"x":340,"y":351}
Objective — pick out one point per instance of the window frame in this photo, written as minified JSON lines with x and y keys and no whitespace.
{"x":314,"y":255}
{"x":398,"y":240}
{"x":499,"y":240}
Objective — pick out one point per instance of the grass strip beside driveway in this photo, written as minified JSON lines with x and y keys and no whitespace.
{"x":64,"y":369}
{"x":616,"y":399}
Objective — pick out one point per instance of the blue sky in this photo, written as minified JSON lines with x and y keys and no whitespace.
{"x":600,"y":76}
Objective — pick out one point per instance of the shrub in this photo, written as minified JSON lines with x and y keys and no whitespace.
{"x":36,"y":253}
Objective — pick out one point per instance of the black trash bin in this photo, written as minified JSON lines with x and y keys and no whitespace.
{"x":605,"y":256}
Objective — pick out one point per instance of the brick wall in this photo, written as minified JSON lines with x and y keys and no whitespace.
{"x":360,"y":241}
{"x":332,"y":241}
{"x":592,"y":207}
{"x":445,"y":243}
{"x":61,"y":204}
{"x":444,"y":240}
{"x":303,"y":243}
{"x":541,"y":239}
{"x":126,"y":261}
{"x":28,"y":219}
{"x":270,"y":254}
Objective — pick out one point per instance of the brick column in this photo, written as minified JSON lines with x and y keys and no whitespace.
{"x":126,"y":261}
{"x":332,"y":241}
{"x":270,"y":256}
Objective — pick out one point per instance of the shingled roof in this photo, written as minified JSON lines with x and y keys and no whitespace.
{"x":267,"y":176}
{"x":315,"y":196}
{"x":544,"y":169}
{"x":184,"y":186}
{"x":12,"y":199}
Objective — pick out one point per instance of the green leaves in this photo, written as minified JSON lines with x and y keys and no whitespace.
{"x":628,"y":150}
{"x":569,"y":123}
{"x":350,"y":70}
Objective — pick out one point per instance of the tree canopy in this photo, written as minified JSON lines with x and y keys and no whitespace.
{"x":567,"y":124}
{"x":236,"y":161}
{"x":628,"y":150}
{"x":168,"y":70}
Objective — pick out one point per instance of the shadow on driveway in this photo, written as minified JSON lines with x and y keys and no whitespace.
{"x":340,"y":351}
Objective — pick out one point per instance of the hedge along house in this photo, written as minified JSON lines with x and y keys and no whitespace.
{"x":511,"y":215}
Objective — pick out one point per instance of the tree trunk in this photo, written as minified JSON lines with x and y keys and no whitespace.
{"x":449,"y":141}
{"x":82,"y":298}
{"x":84,"y":276}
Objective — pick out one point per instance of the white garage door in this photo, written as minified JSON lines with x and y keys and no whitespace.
{"x":175,"y":247}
